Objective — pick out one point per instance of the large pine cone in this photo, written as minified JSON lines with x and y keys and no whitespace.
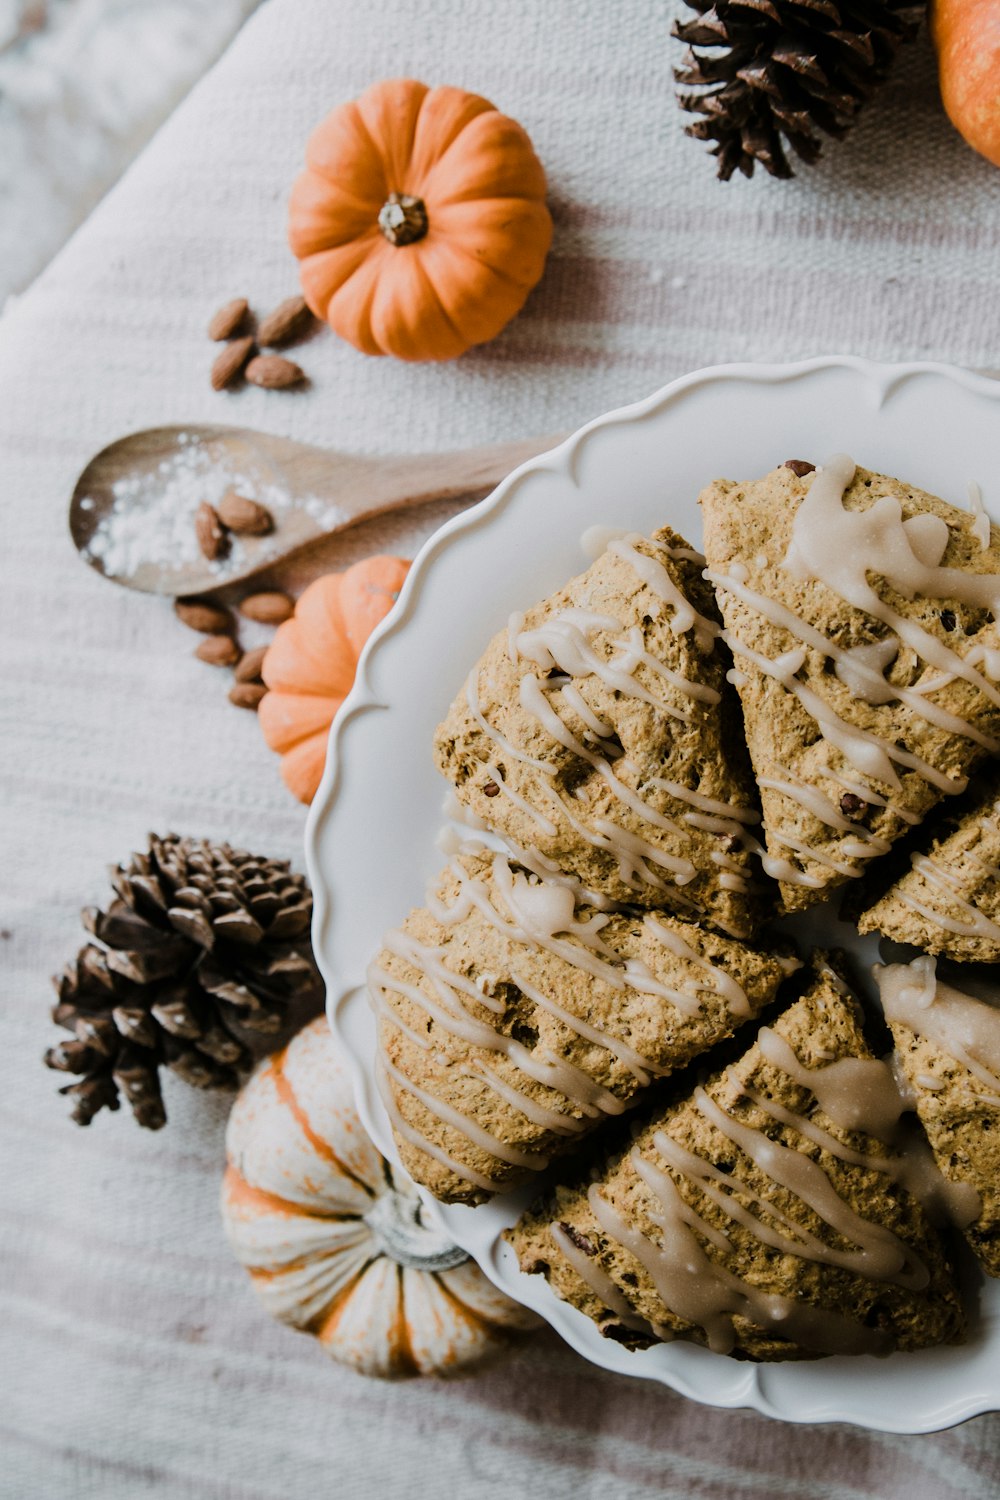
{"x":202,"y":943}
{"x":780,"y":70}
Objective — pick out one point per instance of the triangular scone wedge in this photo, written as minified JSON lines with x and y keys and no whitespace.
{"x":859,"y":715}
{"x":514,"y":1020}
{"x":948,"y":1045}
{"x":948,"y":901}
{"x":597,"y":735}
{"x":749,"y":1217}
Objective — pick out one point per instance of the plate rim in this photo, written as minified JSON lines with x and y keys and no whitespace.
{"x":882,"y":377}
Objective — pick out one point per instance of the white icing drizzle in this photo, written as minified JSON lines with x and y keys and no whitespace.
{"x":966,"y":1029}
{"x":656,"y":578}
{"x":858,"y":1094}
{"x":980,"y":520}
{"x":840,"y":547}
{"x":496,"y":775}
{"x":472,"y":699}
{"x":972,"y":922}
{"x":536,"y":915}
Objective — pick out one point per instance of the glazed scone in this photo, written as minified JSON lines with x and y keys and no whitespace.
{"x":514,"y":1019}
{"x":948,"y":902}
{"x":861,"y":615}
{"x":752,"y":1217}
{"x":598,"y":735}
{"x":948,"y":1045}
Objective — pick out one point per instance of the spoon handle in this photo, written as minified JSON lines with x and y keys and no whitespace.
{"x":361,"y":489}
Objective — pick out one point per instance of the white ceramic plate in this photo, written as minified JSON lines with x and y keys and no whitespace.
{"x":371,"y":834}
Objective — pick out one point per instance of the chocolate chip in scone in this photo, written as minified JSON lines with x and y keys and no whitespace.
{"x":632,"y":1338}
{"x":799,"y":466}
{"x":852,"y":805}
{"x":491,"y":789}
{"x":948,"y":619}
{"x":576,"y":1237}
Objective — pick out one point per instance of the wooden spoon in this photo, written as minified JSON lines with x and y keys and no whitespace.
{"x":311,"y":493}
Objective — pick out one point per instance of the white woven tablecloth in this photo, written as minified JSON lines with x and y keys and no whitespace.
{"x":133,"y":1359}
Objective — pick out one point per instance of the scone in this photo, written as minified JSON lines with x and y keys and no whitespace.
{"x":762,"y":1216}
{"x":861,"y":615}
{"x":514,"y":1018}
{"x":948,"y":902}
{"x":598,"y":735}
{"x":949,"y":1047}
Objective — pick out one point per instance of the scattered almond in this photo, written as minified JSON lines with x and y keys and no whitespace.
{"x":250,"y":664}
{"x":230,"y":362}
{"x":228,"y":319}
{"x":210,"y":619}
{"x":270,"y":608}
{"x":210,"y":531}
{"x":273,"y":372}
{"x":244,"y":515}
{"x":247,"y":694}
{"x":218,"y":651}
{"x":288,"y":321}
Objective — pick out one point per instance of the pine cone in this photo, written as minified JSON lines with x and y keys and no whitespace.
{"x":785,"y":69}
{"x":201,"y":943}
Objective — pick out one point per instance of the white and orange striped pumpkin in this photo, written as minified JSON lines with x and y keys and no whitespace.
{"x":334,"y":1238}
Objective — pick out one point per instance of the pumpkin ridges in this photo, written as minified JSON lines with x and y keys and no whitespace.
{"x":302,"y":767}
{"x":389,"y":113}
{"x":444,"y":114}
{"x":406,"y":316}
{"x":304,"y":660}
{"x":493,"y":158}
{"x":341,"y":151}
{"x":312,"y":228}
{"x":292,"y":718}
{"x":322,"y":624}
{"x":472,"y":228}
{"x":467,"y":289}
{"x":403,"y":1357}
{"x":322,"y":1148}
{"x":243,"y":1193}
{"x":348,"y":310}
{"x":369,"y":590}
{"x":326,"y":272}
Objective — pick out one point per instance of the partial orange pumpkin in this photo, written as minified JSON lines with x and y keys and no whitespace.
{"x":310,"y":665}
{"x":966,"y":35}
{"x":420,"y":220}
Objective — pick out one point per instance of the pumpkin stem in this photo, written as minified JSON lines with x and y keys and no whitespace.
{"x":396,"y":1224}
{"x":403,"y":219}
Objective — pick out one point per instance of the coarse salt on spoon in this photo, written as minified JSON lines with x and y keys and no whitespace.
{"x":132,"y":515}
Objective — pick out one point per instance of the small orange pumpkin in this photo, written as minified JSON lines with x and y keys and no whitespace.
{"x":309,"y":666}
{"x":420,"y":220}
{"x":966,"y":35}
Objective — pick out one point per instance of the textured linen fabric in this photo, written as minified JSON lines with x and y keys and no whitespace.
{"x":134,"y":1359}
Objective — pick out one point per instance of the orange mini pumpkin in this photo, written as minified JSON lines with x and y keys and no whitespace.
{"x":420,"y":220}
{"x":309,"y":667}
{"x":967,"y":37}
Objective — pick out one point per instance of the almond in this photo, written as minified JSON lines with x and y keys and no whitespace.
{"x":288,"y":321}
{"x":210,"y":532}
{"x":244,"y":515}
{"x":271,"y":608}
{"x":210,"y":619}
{"x":250,"y":664}
{"x":218,"y":651}
{"x":273,"y":372}
{"x":247,"y":694}
{"x":228,"y":319}
{"x":230,"y":362}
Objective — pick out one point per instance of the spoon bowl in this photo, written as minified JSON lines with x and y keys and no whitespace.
{"x":132,"y":514}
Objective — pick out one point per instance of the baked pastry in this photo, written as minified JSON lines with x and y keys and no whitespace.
{"x":514,"y":1018}
{"x":597,"y":735}
{"x":861,"y":615}
{"x":763,"y":1215}
{"x":948,"y":901}
{"x":948,"y":1045}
